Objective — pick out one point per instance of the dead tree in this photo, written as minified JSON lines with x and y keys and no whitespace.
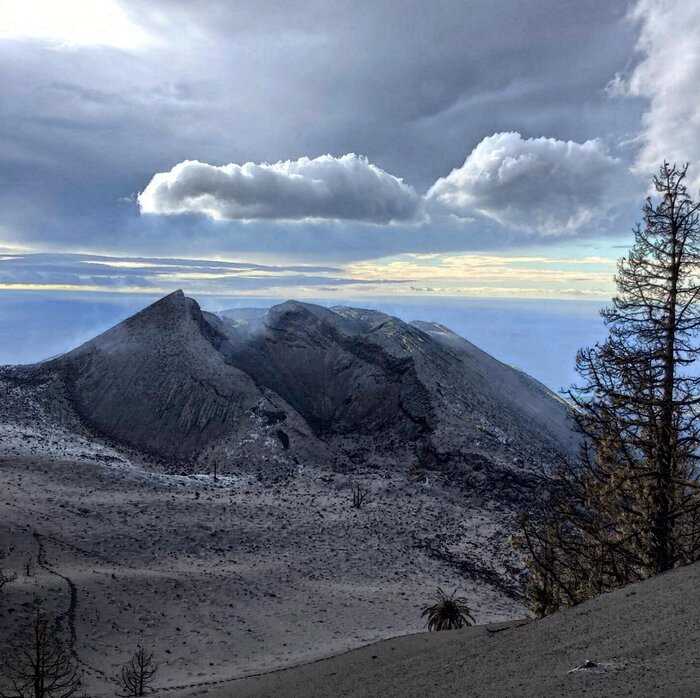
{"x":6,"y":577}
{"x":359,"y":495}
{"x":137,"y":674}
{"x":38,"y":665}
{"x":630,"y":508}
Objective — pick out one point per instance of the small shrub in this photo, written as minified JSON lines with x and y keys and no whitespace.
{"x":448,"y":613}
{"x":359,"y":495}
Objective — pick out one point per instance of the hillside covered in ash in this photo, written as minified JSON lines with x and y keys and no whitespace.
{"x":111,"y":513}
{"x":302,"y":384}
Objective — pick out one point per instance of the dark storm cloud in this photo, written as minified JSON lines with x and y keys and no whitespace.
{"x":395,"y":80}
{"x":414,"y":86}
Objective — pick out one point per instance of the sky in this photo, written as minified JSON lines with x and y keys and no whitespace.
{"x":492,"y":148}
{"x":381,"y":151}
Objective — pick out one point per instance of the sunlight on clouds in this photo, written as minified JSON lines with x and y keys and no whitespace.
{"x":479,"y":266}
{"x":541,"y":185}
{"x":483,"y":275}
{"x":667,"y":76}
{"x":124,"y":265}
{"x":348,"y":187}
{"x":71,"y":23}
{"x":466,"y":275}
{"x":512,"y":292}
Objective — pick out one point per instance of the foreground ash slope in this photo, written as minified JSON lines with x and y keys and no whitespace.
{"x":641,"y":640}
{"x":303,"y":384}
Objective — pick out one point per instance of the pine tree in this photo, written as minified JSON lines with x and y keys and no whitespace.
{"x":630,"y":508}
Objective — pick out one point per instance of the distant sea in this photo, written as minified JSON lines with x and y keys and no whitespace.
{"x":540,"y":337}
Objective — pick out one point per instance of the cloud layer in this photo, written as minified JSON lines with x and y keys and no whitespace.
{"x":401,"y":275}
{"x":156,"y":276}
{"x":85,"y":125}
{"x":539,"y":185}
{"x":347,"y":188}
{"x":543,"y":185}
{"x":668,"y":76}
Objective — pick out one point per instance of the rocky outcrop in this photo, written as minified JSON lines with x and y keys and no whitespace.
{"x":333,"y":374}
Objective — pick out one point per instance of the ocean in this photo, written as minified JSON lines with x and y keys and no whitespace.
{"x":540,"y":337}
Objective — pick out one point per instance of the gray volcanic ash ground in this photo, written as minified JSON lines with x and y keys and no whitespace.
{"x":111,"y":514}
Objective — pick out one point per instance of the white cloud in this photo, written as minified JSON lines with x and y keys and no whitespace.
{"x":541,"y":185}
{"x":668,"y":76}
{"x":71,"y":23}
{"x":330,"y":188}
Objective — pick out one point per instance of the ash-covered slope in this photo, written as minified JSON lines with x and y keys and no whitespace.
{"x":157,"y":382}
{"x":640,"y":640}
{"x":380,"y":391}
{"x":505,"y":391}
{"x":331,"y":369}
{"x":302,"y":383}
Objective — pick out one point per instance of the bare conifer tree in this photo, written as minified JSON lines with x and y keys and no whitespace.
{"x":631,"y":508}
{"x":138,"y":673}
{"x":6,"y":577}
{"x":38,"y":665}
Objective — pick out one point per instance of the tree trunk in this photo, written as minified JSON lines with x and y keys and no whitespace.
{"x":663,"y":553}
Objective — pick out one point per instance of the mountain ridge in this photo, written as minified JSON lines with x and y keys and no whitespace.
{"x":198,"y":470}
{"x":303,"y":383}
